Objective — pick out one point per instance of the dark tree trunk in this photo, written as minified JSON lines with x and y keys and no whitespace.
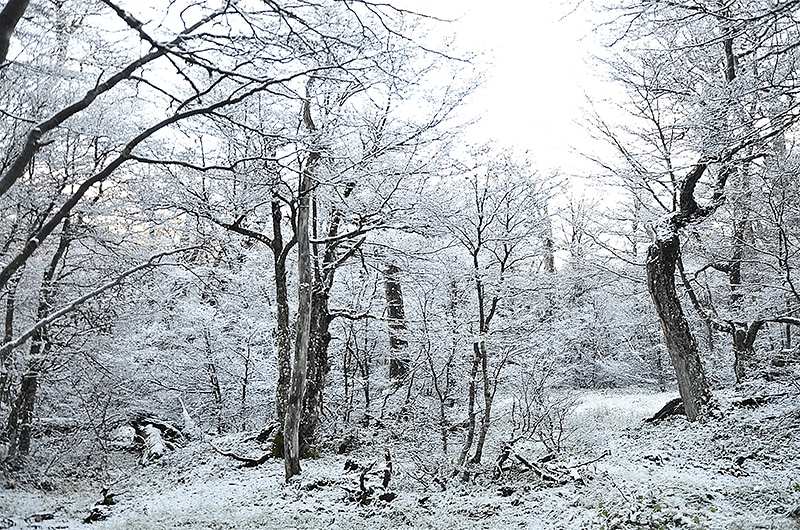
{"x":282,"y":331}
{"x":18,"y":428}
{"x":744,"y":337}
{"x":549,"y":252}
{"x":9,"y":18}
{"x":323,"y":274}
{"x":6,"y":358}
{"x":398,"y":345}
{"x":735,"y":267}
{"x":488,"y":397}
{"x":662,"y":257}
{"x":214,"y":384}
{"x":20,"y":418}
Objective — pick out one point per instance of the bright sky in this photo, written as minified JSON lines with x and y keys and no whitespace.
{"x":535,"y":91}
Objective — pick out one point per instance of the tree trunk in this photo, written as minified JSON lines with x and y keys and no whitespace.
{"x":245,"y":384}
{"x":787,"y":328}
{"x":9,"y":18}
{"x":662,"y":257}
{"x":488,"y":397}
{"x":735,"y":267}
{"x":282,"y":332}
{"x":6,"y":358}
{"x":20,"y":418}
{"x":291,"y":428}
{"x":398,"y":345}
{"x":294,"y":403}
{"x":317,"y":368}
{"x":548,"y":244}
{"x":471,"y":391}
{"x":213,"y":381}
{"x":744,"y":338}
{"x":154,"y":446}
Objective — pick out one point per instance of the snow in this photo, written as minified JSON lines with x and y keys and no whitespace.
{"x":670,"y":475}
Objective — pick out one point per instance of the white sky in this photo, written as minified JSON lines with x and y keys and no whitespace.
{"x":535,"y":89}
{"x":539,"y":71}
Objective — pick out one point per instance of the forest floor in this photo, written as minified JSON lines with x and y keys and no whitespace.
{"x":673,"y":474}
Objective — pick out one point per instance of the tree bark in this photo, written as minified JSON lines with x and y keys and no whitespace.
{"x":305,"y":290}
{"x":316,"y":369}
{"x":20,"y":420}
{"x":398,"y":345}
{"x":662,"y":257}
{"x":488,"y":398}
{"x":282,"y":332}
{"x":9,"y":18}
{"x":744,"y":337}
{"x":291,"y":426}
{"x":471,"y":391}
{"x":6,"y":357}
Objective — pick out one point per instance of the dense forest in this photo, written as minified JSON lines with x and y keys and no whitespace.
{"x":260,"y":269}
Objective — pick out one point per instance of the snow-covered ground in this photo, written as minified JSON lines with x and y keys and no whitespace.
{"x":670,"y":475}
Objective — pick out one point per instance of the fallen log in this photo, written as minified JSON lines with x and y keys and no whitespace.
{"x":756,"y":401}
{"x":38,"y":517}
{"x":55,"y":426}
{"x":674,"y":407}
{"x":543,"y":473}
{"x":154,"y":444}
{"x":157,"y":437}
{"x":246,"y":461}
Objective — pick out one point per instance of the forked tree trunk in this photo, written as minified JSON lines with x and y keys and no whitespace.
{"x":291,"y":426}
{"x":744,"y":338}
{"x":662,"y":257}
{"x":305,"y":278}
